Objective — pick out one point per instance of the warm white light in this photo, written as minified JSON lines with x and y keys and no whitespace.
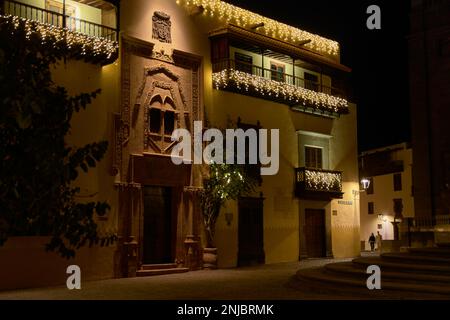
{"x":244,"y":18}
{"x":365,"y":183}
{"x":63,"y":37}
{"x":290,"y":93}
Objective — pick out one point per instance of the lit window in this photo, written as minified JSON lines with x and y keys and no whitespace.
{"x":313,"y":157}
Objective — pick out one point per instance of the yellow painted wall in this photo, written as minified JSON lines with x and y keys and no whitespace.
{"x":92,"y":125}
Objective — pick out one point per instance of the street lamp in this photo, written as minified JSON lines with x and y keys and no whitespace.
{"x":365,"y":183}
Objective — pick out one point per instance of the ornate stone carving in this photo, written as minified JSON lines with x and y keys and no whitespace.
{"x":161,"y":27}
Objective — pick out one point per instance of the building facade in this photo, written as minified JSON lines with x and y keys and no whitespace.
{"x":429,"y":56}
{"x":185,"y":61}
{"x":389,"y":171}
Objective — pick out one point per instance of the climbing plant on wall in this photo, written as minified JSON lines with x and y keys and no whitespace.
{"x":37,"y":166}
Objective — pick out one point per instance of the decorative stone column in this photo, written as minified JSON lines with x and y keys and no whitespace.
{"x":192,"y":244}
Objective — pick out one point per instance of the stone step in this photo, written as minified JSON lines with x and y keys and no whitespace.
{"x":402,"y":267}
{"x":158,"y":266}
{"x":349,"y":269}
{"x":332,"y":281}
{"x":433,"y":251}
{"x":405,"y":257}
{"x":158,"y":272}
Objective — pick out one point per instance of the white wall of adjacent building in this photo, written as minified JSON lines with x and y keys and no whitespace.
{"x":383,"y":200}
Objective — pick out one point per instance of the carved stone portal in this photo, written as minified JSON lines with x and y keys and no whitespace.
{"x":161,"y":27}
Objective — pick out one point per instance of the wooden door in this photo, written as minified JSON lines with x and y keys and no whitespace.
{"x":157,"y":244}
{"x":251,"y":237}
{"x":315,"y":233}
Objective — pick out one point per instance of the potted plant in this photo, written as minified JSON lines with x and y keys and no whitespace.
{"x":225,"y":182}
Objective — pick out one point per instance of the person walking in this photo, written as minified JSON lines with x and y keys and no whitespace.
{"x":378,"y":240}
{"x":372,"y":242}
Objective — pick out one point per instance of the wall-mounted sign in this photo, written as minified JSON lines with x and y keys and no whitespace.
{"x":345,"y":202}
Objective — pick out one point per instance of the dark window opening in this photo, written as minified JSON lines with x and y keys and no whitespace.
{"x":311,"y":81}
{"x":243,"y":62}
{"x":169,"y":122}
{"x":155,"y":120}
{"x":397,"y":182}
{"x":370,"y":208}
{"x":370,"y":188}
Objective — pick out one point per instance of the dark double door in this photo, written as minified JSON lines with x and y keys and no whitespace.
{"x":315,"y":233}
{"x":158,"y":230}
{"x":251,"y":237}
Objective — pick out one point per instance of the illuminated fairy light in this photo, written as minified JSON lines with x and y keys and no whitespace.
{"x":244,"y":18}
{"x":290,"y":93}
{"x":323,"y":181}
{"x":99,"y":48}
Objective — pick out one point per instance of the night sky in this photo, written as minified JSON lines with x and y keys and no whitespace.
{"x":378,"y":58}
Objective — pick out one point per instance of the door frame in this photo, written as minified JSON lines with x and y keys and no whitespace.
{"x":174,"y":206}
{"x":320,"y":205}
{"x":261,"y":256}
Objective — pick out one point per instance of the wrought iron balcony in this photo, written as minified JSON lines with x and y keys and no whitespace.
{"x":81,"y":38}
{"x":318,"y":183}
{"x":274,"y":85}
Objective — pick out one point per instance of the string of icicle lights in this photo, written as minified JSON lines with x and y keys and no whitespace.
{"x":89,"y":46}
{"x":275,"y":29}
{"x":271,"y":88}
{"x":326,"y":181}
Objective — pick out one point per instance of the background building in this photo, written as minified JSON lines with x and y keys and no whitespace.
{"x":429,"y":66}
{"x":389,"y":171}
{"x":429,"y":55}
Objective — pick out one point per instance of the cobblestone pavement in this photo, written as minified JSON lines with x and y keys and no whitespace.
{"x":261,"y":282}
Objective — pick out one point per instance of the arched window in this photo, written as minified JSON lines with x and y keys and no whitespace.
{"x":161,"y":121}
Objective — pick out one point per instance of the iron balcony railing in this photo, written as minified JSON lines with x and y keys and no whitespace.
{"x":226,"y":64}
{"x":57,"y":19}
{"x":428,"y":221}
{"x":312,"y":181}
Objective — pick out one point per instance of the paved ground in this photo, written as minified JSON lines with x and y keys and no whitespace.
{"x":262,"y":282}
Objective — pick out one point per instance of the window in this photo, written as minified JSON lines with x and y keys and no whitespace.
{"x":169,"y":122}
{"x":370,"y":208}
{"x":313,"y":157}
{"x":277,"y":71}
{"x":243,"y":62}
{"x":58,"y":7}
{"x":161,"y":116}
{"x":398,"y":206}
{"x":155,"y":120}
{"x":370,"y":189}
{"x":311,"y":81}
{"x":397,"y":182}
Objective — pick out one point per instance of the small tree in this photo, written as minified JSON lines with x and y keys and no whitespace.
{"x":37,"y":167}
{"x":225,"y":182}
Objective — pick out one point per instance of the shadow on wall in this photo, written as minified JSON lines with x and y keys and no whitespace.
{"x":26,"y":264}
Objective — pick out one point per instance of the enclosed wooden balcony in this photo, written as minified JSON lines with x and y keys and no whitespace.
{"x":320,"y":184}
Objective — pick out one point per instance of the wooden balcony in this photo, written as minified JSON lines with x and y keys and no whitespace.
{"x":268,"y":84}
{"x":318,"y":184}
{"x":80,"y":38}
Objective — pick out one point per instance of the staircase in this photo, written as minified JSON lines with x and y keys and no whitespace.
{"x":159,"y":269}
{"x":419,"y":273}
